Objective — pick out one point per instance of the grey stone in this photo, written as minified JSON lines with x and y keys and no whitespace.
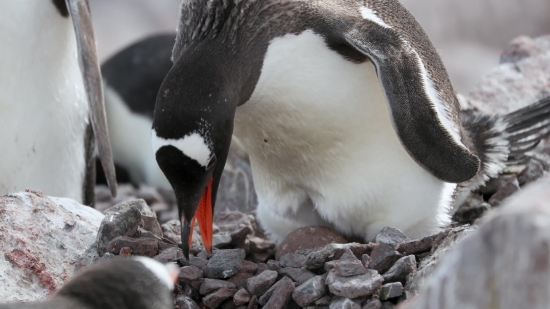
{"x":383,"y":257}
{"x":139,"y":246}
{"x":249,"y":267}
{"x":253,"y":303}
{"x":504,"y":192}
{"x":391,"y":236}
{"x":532,"y":171}
{"x":215,"y":299}
{"x":323,"y":301}
{"x":115,"y":224}
{"x":391,"y":290}
{"x":420,"y":245}
{"x":224,"y":263}
{"x":240,"y":279}
{"x":221,"y":240}
{"x":401,"y":269}
{"x":373,"y":304}
{"x":151,"y":224}
{"x":171,"y":254}
{"x":344,"y":303}
{"x":309,"y":237}
{"x":298,"y":275}
{"x":241,"y":297}
{"x":139,"y":204}
{"x":210,"y":285}
{"x":172,"y":231}
{"x":273,"y":265}
{"x":188,"y":274}
{"x":310,"y":291}
{"x":259,"y":284}
{"x":365,"y":260}
{"x":278,"y":295}
{"x":347,"y":265}
{"x":185,"y":302}
{"x":318,"y":258}
{"x":292,"y":260}
{"x":354,"y":286}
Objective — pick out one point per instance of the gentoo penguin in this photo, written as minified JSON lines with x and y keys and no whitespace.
{"x":343,"y":106}
{"x":51,"y":100}
{"x":120,"y":283}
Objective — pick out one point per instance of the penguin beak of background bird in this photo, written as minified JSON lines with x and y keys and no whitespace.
{"x":204,"y":216}
{"x":91,"y":75}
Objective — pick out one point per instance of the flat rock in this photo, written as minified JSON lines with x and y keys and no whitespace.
{"x":373,"y":304}
{"x":344,"y":303}
{"x":121,"y":223}
{"x":259,"y":284}
{"x":140,"y":246}
{"x":215,"y":299}
{"x":240,"y":279}
{"x":420,"y":245}
{"x":383,"y":257}
{"x":151,"y":224}
{"x":347,"y":265}
{"x":172,"y":231}
{"x":391,"y":290}
{"x":532,"y":171}
{"x":171,"y":254}
{"x":241,"y":297}
{"x":292,"y":260}
{"x":401,"y":269}
{"x":391,"y":236}
{"x":298,"y":275}
{"x":509,"y":188}
{"x":278,"y":295}
{"x":318,"y":258}
{"x":310,"y":291}
{"x":185,"y":302}
{"x":43,"y":242}
{"x":224,"y":263}
{"x":210,"y":285}
{"x":188,"y":274}
{"x":249,"y":267}
{"x":354,"y":286}
{"x":310,"y":237}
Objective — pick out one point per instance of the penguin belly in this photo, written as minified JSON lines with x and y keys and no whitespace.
{"x":43,"y":107}
{"x":323,"y":149}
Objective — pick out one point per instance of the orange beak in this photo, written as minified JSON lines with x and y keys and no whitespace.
{"x":205,"y":217}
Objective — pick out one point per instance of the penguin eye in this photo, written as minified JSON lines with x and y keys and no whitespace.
{"x":211,"y":162}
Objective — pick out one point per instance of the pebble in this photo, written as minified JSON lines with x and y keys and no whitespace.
{"x":210,"y":285}
{"x":383,"y":257}
{"x":249,"y":267}
{"x":188,"y":274}
{"x":139,"y":246}
{"x":401,"y":269}
{"x":172,"y":254}
{"x":373,"y":304}
{"x":421,"y":245}
{"x":241,"y":297}
{"x":240,"y":279}
{"x":215,"y":299}
{"x":347,"y":265}
{"x":309,"y":237}
{"x":224,"y":264}
{"x":344,"y":303}
{"x":253,"y":303}
{"x":532,"y":171}
{"x":391,"y":236}
{"x":259,"y":284}
{"x":318,"y":258}
{"x":115,"y":224}
{"x":292,"y":260}
{"x":310,"y":291}
{"x":298,"y":275}
{"x":324,"y":301}
{"x":185,"y":302}
{"x":278,"y":295}
{"x":354,"y":286}
{"x":391,"y":290}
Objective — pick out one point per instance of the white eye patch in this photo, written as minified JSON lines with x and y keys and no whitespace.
{"x":192,"y":145}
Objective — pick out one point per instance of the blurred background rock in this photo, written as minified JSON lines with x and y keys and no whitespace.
{"x":469,"y":34}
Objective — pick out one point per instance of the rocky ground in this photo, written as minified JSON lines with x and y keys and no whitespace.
{"x":45,"y":240}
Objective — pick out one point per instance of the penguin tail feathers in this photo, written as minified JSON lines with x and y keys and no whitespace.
{"x":504,"y":140}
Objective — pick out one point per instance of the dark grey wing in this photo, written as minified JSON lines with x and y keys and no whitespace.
{"x":422,"y":105}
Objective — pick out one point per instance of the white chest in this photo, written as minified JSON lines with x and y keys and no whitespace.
{"x":43,"y":108}
{"x":318,"y":133}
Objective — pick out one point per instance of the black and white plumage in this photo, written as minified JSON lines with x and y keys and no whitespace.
{"x":343,"y":106}
{"x":119,"y":283}
{"x":51,"y":100}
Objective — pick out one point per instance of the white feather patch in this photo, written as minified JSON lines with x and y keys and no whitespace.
{"x":192,"y":145}
{"x":369,"y":14}
{"x":160,"y":270}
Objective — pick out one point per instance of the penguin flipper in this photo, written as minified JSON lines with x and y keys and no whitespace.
{"x":91,"y":75}
{"x":418,"y":112}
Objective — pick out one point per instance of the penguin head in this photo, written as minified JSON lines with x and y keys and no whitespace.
{"x":139,"y":282}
